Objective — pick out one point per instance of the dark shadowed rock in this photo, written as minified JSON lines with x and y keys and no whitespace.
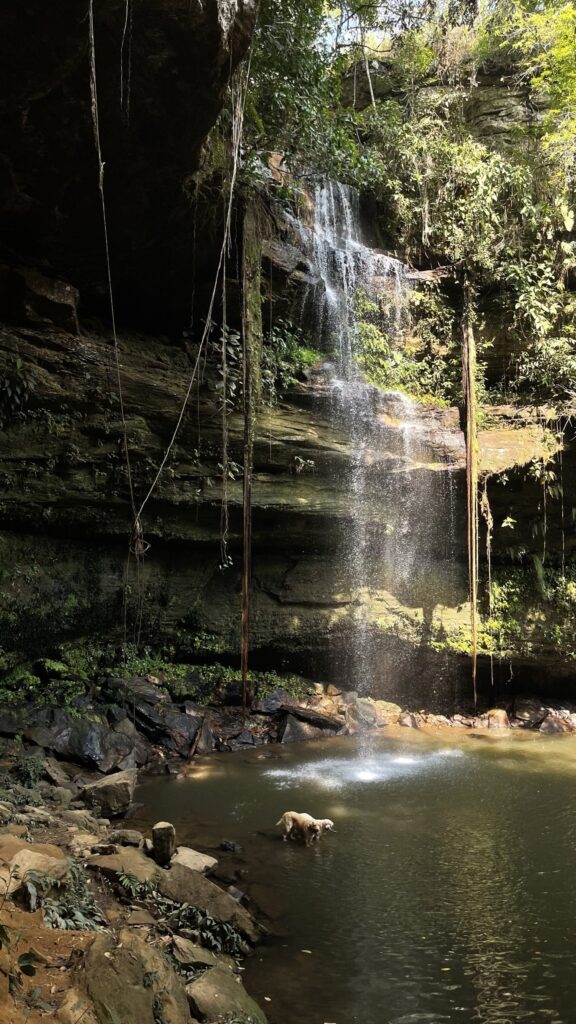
{"x":275,"y":702}
{"x":27,"y":296}
{"x":79,"y":739}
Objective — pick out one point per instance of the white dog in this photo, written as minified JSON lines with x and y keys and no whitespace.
{"x":304,"y":826}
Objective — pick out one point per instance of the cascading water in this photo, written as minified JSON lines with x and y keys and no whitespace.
{"x":396,"y":548}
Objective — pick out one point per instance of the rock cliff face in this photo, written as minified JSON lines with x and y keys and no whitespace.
{"x":161,"y":70}
{"x":65,"y":513}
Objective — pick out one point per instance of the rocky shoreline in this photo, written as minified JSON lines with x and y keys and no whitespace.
{"x":86,"y":900}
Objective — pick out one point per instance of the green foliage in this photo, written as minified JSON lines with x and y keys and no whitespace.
{"x":17,"y":384}
{"x":69,"y":906}
{"x":21,"y":686}
{"x":28,"y":769}
{"x":284,"y":359}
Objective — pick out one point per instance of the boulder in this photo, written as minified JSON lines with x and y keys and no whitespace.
{"x":219,"y":995}
{"x":39,"y":860}
{"x":129,"y":980}
{"x":113,"y":794}
{"x":91,"y":743}
{"x":193,"y":860}
{"x":555,"y":724}
{"x":530,"y":712}
{"x":185,"y":886}
{"x":314,"y":717}
{"x":205,"y":743}
{"x":295,"y":731}
{"x":163,"y":842}
{"x":32,"y":298}
{"x":497,"y":719}
{"x":143,"y":749}
{"x":387,"y":713}
{"x":408,"y":721}
{"x":126,"y":837}
{"x":55,"y":772}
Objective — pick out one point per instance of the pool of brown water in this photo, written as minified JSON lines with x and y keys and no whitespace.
{"x":446,"y":893}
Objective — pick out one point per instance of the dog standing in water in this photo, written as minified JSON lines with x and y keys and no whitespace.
{"x":304,"y":826}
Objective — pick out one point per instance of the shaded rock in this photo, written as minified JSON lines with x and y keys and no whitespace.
{"x":27,"y":296}
{"x":128,"y":861}
{"x":295,"y":731}
{"x":113,"y":795}
{"x":185,"y":886}
{"x":55,"y":772}
{"x":163,"y":842}
{"x":129,"y":980}
{"x":218,"y":995}
{"x":76,"y":1007}
{"x":126,"y":837}
{"x":333,"y":691}
{"x":81,"y":819}
{"x":497,"y":719}
{"x":205,"y":743}
{"x":163,"y":724}
{"x":531,"y":712}
{"x":143,"y":749}
{"x":277,"y":700}
{"x":90,"y":743}
{"x":313,"y":717}
{"x":231,"y":846}
{"x":193,"y":859}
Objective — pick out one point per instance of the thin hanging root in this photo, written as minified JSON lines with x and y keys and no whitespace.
{"x":251,"y":352}
{"x":469,"y":382}
{"x":96,"y":127}
{"x":489,"y":520}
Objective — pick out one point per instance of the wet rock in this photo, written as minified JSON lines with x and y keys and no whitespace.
{"x":128,"y":980}
{"x":230,"y":846}
{"x":555,"y":724}
{"x":497,"y":719}
{"x":143,"y":749}
{"x":193,"y":859}
{"x":163,"y":842}
{"x":126,"y":837}
{"x":409,"y":721}
{"x":113,"y":794}
{"x":387,"y":713}
{"x":333,"y":691}
{"x":313,"y":717}
{"x":185,"y":886}
{"x":218,"y":995}
{"x":27,"y":296}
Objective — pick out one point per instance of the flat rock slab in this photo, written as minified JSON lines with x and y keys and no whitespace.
{"x":185,"y":886}
{"x":129,"y":861}
{"x":193,"y":859}
{"x":218,"y":995}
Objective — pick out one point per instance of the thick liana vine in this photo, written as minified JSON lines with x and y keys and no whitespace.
{"x":469,"y":388}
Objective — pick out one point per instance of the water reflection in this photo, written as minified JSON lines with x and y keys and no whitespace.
{"x":445,"y":894}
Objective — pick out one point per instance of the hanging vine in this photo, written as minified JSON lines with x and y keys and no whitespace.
{"x":469,"y":387}
{"x":489,"y":520}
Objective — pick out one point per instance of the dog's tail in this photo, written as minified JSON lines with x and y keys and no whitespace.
{"x":281,"y":822}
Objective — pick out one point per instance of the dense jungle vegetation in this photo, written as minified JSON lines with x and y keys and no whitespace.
{"x":382,"y":97}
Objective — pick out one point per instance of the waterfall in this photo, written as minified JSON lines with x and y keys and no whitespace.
{"x":399,"y":524}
